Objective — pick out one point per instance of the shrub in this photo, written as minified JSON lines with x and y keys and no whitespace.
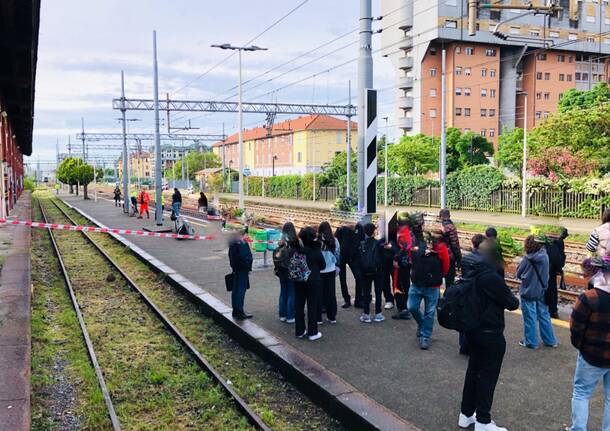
{"x":474,"y":184}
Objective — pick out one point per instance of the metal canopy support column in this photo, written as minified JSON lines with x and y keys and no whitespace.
{"x":158,"y":173}
{"x":365,"y":80}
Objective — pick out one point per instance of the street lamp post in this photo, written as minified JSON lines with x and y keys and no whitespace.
{"x":239,"y":49}
{"x":524,"y":167}
{"x":273,"y":165}
{"x":230,"y":176}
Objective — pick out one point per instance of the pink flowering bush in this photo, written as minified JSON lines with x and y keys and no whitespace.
{"x":557,"y":163}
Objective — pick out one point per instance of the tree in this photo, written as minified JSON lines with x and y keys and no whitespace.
{"x":469,"y":149}
{"x":195,"y":161}
{"x":557,"y":163}
{"x":584,"y":99}
{"x":335,"y":171}
{"x":73,"y":171}
{"x":510,"y":150}
{"x":413,"y":155}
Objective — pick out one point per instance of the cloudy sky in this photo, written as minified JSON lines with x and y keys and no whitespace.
{"x":84,"y":45}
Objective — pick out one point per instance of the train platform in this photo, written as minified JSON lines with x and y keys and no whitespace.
{"x":383,"y":360}
{"x":576,"y":226}
{"x":15,"y":317}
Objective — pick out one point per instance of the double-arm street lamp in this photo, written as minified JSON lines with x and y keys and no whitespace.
{"x":239,"y":49}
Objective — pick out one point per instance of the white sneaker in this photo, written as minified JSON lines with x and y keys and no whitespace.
{"x":465,"y":421}
{"x":488,"y":427}
{"x":302,"y":335}
{"x":365,"y":318}
{"x":379,"y":317}
{"x":282,"y":319}
{"x":289,"y":320}
{"x":315,"y":337}
{"x":332,"y":322}
{"x":389,"y":305}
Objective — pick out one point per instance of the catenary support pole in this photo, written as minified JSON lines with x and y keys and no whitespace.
{"x":125,"y":163}
{"x":158,"y":173}
{"x":524,"y":167}
{"x":443,"y":155}
{"x":365,"y":80}
{"x":348,"y":192}
{"x":82,"y":125}
{"x":240,"y":115}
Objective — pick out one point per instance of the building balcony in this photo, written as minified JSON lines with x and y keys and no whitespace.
{"x":405,"y":82}
{"x":405,"y":63}
{"x":405,"y":122}
{"x":405,"y":102}
{"x":406,"y":44}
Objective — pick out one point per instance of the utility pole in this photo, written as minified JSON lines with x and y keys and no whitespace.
{"x":125,"y":164}
{"x":69,"y":147}
{"x":224,"y":164}
{"x":158,"y":173}
{"x":524,"y":167}
{"x":385,"y":150}
{"x":349,"y":142}
{"x":443,"y":156}
{"x":82,"y":125}
{"x":365,"y":80}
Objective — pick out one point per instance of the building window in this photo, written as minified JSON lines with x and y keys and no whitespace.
{"x":467,"y":112}
{"x":539,"y":75}
{"x":538,"y":115}
{"x":469,"y":50}
{"x":547,"y":96}
{"x":299,"y":156}
{"x":534,"y":32}
{"x":483,"y":72}
{"x":458,"y":70}
{"x":515,"y":30}
{"x":585,"y":76}
{"x":467,"y":71}
{"x":538,"y":96}
{"x":492,"y":112}
{"x":562,"y":77}
{"x":554,"y":34}
{"x":547,"y":76}
{"x":569,"y":77}
{"x":451,"y":23}
{"x":490,"y":52}
{"x":432,"y":51}
{"x":467,"y":91}
{"x":458,"y":91}
{"x":577,"y":76}
{"x":432,"y":113}
{"x":483,"y":132}
{"x":570,"y":59}
{"x":483,"y":112}
{"x":572,"y":36}
{"x":433,"y":72}
{"x":492,"y":133}
{"x":492,"y":92}
{"x":590,"y":39}
{"x":483,"y":92}
{"x":466,"y":129}
{"x":541,"y":56}
{"x":492,"y":73}
{"x":458,"y":49}
{"x":458,"y":112}
{"x":546,"y":114}
{"x":561,"y":58}
{"x":433,"y":92}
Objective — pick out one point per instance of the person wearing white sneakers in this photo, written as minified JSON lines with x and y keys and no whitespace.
{"x":370,"y":254}
{"x":486,"y":345}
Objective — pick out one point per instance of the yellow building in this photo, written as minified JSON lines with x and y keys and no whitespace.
{"x":294,"y":146}
{"x":140,"y":165}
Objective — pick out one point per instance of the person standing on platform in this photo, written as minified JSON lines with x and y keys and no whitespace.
{"x":486,"y":343}
{"x":493,"y":244}
{"x":240,"y":259}
{"x":346,"y":237}
{"x":308,"y":292}
{"x":555,"y":249}
{"x":371,"y":263}
{"x":144,"y":199}
{"x":176,"y":202}
{"x":533,"y":272}
{"x":202,"y":203}
{"x":387,"y":269}
{"x":331,"y":250}
{"x":359,"y":236}
{"x":430,"y":265}
{"x":134,"y":202}
{"x":401,"y":280}
{"x":281,"y":260}
{"x":117,"y":196}
{"x":451,"y":239}
{"x":599,"y":240}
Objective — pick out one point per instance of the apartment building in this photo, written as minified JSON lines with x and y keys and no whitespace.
{"x":141,"y":165}
{"x":294,"y":146}
{"x":488,"y":77}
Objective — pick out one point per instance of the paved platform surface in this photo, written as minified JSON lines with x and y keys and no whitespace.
{"x":15,"y":335}
{"x":580,"y":226}
{"x":382,"y":360}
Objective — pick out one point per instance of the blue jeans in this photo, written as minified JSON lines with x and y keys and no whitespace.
{"x":430,"y":298}
{"x":286,"y":303}
{"x":238,"y":294}
{"x":586,"y":377}
{"x":176,"y":207}
{"x":536,"y":311}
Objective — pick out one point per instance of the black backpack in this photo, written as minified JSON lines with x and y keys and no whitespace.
{"x":281,"y":258}
{"x":461,"y":307}
{"x":427,"y":271}
{"x":369,"y":256}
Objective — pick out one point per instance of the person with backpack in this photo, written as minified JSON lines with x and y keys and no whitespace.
{"x":555,"y":249}
{"x":401,"y":278}
{"x":589,"y":334}
{"x":240,"y":259}
{"x":451,"y":239}
{"x":358,"y":237}
{"x":533,"y":272}
{"x":346,"y":236}
{"x":281,"y":260}
{"x":331,"y":250}
{"x":479,"y":300}
{"x":430,"y":265}
{"x":304,"y":269}
{"x":370,"y":258}
{"x":176,"y":202}
{"x":143,"y":199}
{"x":494,"y":245}
{"x":117,"y":196}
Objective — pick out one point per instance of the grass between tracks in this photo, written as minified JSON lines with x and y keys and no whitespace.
{"x":278,"y":402}
{"x":153,"y":382}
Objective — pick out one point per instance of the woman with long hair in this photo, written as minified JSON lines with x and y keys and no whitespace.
{"x":331,"y":252}
{"x":281,"y":258}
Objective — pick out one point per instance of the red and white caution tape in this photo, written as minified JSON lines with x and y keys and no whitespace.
{"x":57,"y":226}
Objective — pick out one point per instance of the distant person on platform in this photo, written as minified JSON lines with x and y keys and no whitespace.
{"x":176,"y":202}
{"x":555,"y":249}
{"x":202,"y":203}
{"x":495,"y":248}
{"x":144,"y":200}
{"x":57,"y":187}
{"x":117,"y":196}
{"x":240,"y":259}
{"x":133,"y":197}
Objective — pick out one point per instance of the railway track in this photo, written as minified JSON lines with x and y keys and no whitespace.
{"x":259,"y":395}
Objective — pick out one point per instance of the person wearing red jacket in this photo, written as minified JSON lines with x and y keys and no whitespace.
{"x":430,"y":265}
{"x":143,"y":200}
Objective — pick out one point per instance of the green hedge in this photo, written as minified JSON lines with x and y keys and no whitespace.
{"x":400,"y":189}
{"x":474,"y":184}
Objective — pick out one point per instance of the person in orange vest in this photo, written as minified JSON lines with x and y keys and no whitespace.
{"x":144,"y":199}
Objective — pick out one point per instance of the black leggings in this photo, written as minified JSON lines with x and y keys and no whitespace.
{"x":328,"y":297}
{"x":306,"y":293}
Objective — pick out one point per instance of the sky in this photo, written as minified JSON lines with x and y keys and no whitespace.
{"x":84,"y":45}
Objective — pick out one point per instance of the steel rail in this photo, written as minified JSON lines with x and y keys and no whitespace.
{"x":240,"y":403}
{"x":116,"y":425}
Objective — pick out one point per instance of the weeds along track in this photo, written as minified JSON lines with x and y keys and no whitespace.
{"x":276,"y":402}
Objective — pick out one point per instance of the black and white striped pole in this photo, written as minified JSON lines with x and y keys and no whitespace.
{"x":370,"y":142}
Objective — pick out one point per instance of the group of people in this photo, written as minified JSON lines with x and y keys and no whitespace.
{"x":140,"y":201}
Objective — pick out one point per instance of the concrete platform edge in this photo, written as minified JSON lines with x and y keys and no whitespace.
{"x":340,"y":399}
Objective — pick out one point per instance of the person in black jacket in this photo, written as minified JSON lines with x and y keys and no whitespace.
{"x":371,"y":258}
{"x":346,"y":236}
{"x":486,"y":344}
{"x":309,"y":291}
{"x":357,"y":263}
{"x":240,"y":259}
{"x":176,"y":202}
{"x":555,"y":248}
